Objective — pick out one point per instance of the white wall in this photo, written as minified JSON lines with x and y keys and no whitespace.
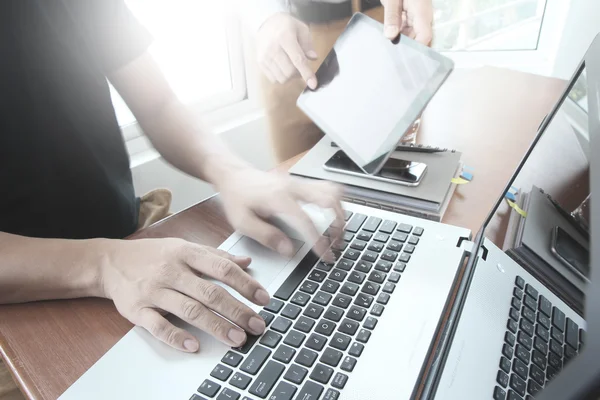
{"x":582,"y":25}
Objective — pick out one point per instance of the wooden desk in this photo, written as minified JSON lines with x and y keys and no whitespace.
{"x":490,"y":114}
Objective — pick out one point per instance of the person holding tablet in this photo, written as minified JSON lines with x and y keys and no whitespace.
{"x":293,"y":37}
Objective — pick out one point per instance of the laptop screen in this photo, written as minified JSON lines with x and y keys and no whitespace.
{"x":543,"y":221}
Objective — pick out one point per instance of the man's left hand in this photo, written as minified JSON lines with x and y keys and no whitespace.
{"x":251,"y":197}
{"x":413,"y":18}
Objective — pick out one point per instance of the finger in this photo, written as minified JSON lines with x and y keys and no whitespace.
{"x":277,"y":72}
{"x":196,"y":314}
{"x":163,"y":330}
{"x":423,"y":30}
{"x":392,"y":19}
{"x":242,"y":261}
{"x":267,"y":71}
{"x":325,"y":195}
{"x":306,"y":43}
{"x":297,"y":56}
{"x":225,"y":270}
{"x":266,"y":234}
{"x":285,"y":65}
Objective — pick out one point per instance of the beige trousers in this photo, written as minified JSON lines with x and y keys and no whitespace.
{"x":290,"y":130}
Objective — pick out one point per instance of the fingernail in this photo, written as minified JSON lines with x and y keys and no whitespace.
{"x":284,"y":247}
{"x":262,"y":297}
{"x":391,"y":31}
{"x":190,"y":345}
{"x":312,"y":54}
{"x":257,"y":325}
{"x":237,"y":337}
{"x":312,"y":83}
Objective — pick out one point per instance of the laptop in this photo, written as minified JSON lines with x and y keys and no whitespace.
{"x":410,"y":309}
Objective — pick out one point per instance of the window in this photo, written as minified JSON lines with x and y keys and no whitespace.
{"x":197,"y":45}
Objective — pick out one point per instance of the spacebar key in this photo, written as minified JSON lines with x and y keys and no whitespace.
{"x":297,"y":276}
{"x":266,"y":379}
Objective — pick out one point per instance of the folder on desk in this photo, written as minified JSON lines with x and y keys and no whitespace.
{"x":427,"y":200}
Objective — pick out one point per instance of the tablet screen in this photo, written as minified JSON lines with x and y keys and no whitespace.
{"x":371,"y":90}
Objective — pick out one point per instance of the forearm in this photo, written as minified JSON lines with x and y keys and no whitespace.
{"x":40,"y":269}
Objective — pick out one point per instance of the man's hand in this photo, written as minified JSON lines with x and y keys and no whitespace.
{"x":284,"y":47}
{"x":146,"y":278}
{"x":251,"y":197}
{"x":412,"y":18}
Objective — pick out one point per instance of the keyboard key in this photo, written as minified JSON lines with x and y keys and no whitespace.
{"x":295,"y":374}
{"x":550,"y":373}
{"x":394,"y":246}
{"x":340,"y":342}
{"x":309,"y":287}
{"x":355,"y":223}
{"x":390,"y":256}
{"x":232,"y":359}
{"x":383,"y":298}
{"x":512,"y":326}
{"x":518,"y":293}
{"x":514,"y":314}
{"x":347,"y":215}
{"x":284,"y":354}
{"x":331,"y":357}
{"x":499,"y":393}
{"x":283,"y":391}
{"x":364,"y":235}
{"x":381,"y":237}
{"x":520,"y":282}
{"x":321,"y":373}
{"x":334,"y":314}
{"x":306,"y":357}
{"x":340,"y":245}
{"x":348,"y":236}
{"x":372,"y":224}
{"x":509,"y":338}
{"x":517,"y":384}
{"x":274,"y":305}
{"x":294,"y":338}
{"x":291,"y":311}
{"x":349,"y":288}
{"x":356,"y":277}
{"x":357,"y":313}
{"x":265,"y":381}
{"x":342,"y":301}
{"x":513,"y":396}
{"x":400,"y":267}
{"x":543,"y":320}
{"x":338,"y":275}
{"x":197,"y":397}
{"x":270,"y":339}
{"x":316,"y":342}
{"x":304,"y":324}
{"x":389,"y":287}
{"x":502,"y":379}
{"x":540,"y":345}
{"x":542,"y":332}
{"x":388,"y":226}
{"x":405,"y":228}
{"x":557,"y":335}
{"x":255,"y":360}
{"x":409,"y":248}
{"x":362,"y":267}
{"x":539,"y":359}
{"x":505,"y":364}
{"x":370,"y":323}
{"x":527,"y":327}
{"x":325,"y":327}
{"x":528,"y":314}
{"x":394,"y":277}
{"x":245,"y":348}
{"x":516,"y":303}
{"x":352,"y":254}
{"x":545,"y":306}
{"x":530,"y":290}
{"x":370,"y":288}
{"x":556,"y":348}
{"x":520,"y":368}
{"x":523,"y":354}
{"x":300,"y":299}
{"x":296,"y":277}
{"x":537,"y":374}
{"x":240,"y":380}
{"x":330,"y":286}
{"x":267,"y":317}
{"x":383,"y":266}
{"x":404,"y":257}
{"x":323,"y":266}
{"x":554,"y":361}
{"x":314,"y":311}
{"x":332,"y":394}
{"x":221,"y":372}
{"x":310,"y":390}
{"x":322,"y":298}
{"x":363,"y":336}
{"x":418,"y":231}
{"x":372,"y":257}
{"x":400,"y":237}
{"x":209,"y":388}
{"x":377,"y":276}
{"x":339,"y":380}
{"x":558,"y":319}
{"x":569,"y":353}
{"x":358,"y":245}
{"x":317,"y":275}
{"x":228,"y":394}
{"x":348,"y":364}
{"x":414,"y":240}
{"x":533,"y":388}
{"x":572,"y":334}
{"x":356,"y":349}
{"x":363,"y":300}
{"x":344,"y":264}
{"x":507,"y":351}
{"x":530,"y":302}
{"x":376,"y":247}
{"x":348,"y":326}
{"x":525,"y":340}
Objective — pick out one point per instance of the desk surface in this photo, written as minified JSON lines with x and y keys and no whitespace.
{"x":489,"y":114}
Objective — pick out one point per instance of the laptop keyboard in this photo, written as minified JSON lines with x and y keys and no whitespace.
{"x":320,"y":319}
{"x":539,"y":341}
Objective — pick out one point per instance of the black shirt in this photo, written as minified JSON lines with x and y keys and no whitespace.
{"x":64,"y":168}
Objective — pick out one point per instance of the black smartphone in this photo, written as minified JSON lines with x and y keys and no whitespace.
{"x":570,"y":252}
{"x":403,"y":172}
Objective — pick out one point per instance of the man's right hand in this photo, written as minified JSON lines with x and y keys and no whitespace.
{"x":284,"y":47}
{"x":146,"y":278}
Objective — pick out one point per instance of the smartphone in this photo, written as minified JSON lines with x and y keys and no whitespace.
{"x":403,"y":172}
{"x":570,"y":252}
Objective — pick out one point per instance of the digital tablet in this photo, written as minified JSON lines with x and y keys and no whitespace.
{"x":370,"y":90}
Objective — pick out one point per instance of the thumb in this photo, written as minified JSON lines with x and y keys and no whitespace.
{"x":306,"y":42}
{"x":392,"y":19}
